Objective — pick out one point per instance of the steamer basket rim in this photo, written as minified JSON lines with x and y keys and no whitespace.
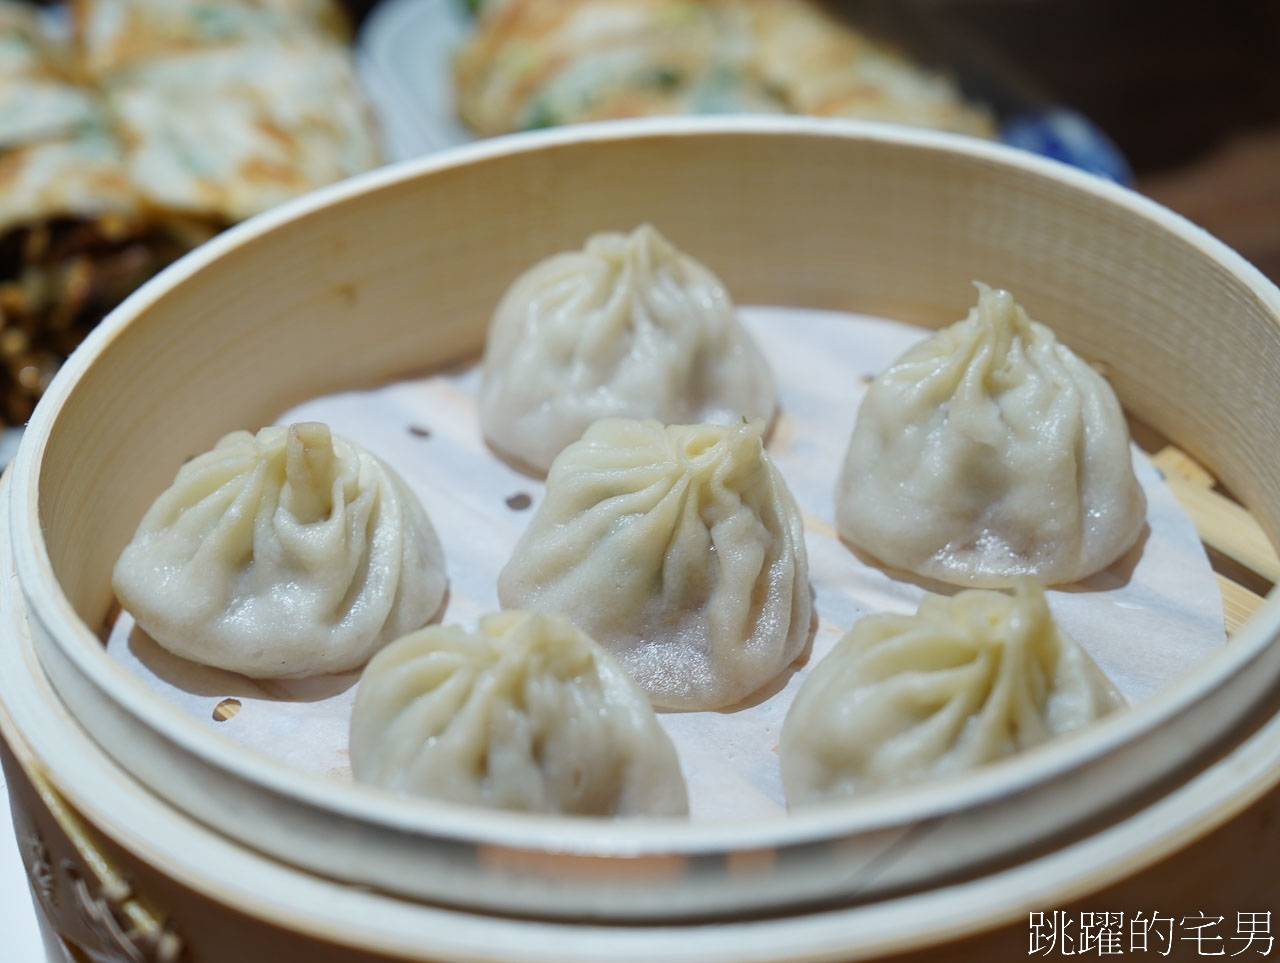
{"x":49,"y":606}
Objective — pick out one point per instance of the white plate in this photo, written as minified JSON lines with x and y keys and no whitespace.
{"x":403,"y":55}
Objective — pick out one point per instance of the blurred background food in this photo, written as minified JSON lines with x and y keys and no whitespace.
{"x":133,"y":130}
{"x":532,"y":64}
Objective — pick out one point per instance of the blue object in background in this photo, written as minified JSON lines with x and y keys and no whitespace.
{"x":1067,"y":136}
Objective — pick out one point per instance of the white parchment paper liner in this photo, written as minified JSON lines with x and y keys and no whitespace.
{"x":1147,"y":619}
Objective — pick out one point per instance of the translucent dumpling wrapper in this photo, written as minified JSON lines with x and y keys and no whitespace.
{"x":991,"y":451}
{"x":290,"y":553}
{"x":628,"y":327}
{"x":525,"y":713}
{"x":680,"y":549}
{"x":966,"y":681}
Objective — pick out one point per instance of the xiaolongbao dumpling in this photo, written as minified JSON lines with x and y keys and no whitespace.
{"x":290,"y":553}
{"x":628,"y":327}
{"x":991,"y":451}
{"x":966,"y":680}
{"x":679,"y":549}
{"x":525,"y":713}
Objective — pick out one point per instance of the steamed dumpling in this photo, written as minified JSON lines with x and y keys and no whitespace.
{"x":525,"y":713}
{"x":991,"y":451}
{"x":679,"y":549}
{"x":965,"y":681}
{"x":290,"y":553}
{"x":628,"y":327}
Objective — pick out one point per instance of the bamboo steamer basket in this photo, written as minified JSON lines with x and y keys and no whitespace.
{"x":145,"y":831}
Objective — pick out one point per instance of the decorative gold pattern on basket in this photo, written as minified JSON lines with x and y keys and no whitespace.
{"x":123,"y":924}
{"x":123,"y":929}
{"x":43,"y":880}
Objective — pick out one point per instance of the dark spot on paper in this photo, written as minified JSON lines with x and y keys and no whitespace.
{"x":419,"y":432}
{"x":519,"y":501}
